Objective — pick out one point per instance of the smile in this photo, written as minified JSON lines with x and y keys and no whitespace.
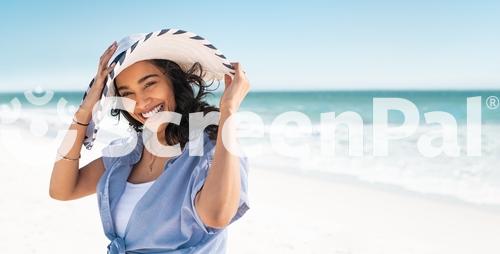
{"x":153,"y":111}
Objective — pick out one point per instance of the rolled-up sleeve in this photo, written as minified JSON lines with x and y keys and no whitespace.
{"x":121,"y":149}
{"x":198,"y":179}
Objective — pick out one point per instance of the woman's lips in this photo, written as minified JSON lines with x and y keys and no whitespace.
{"x":157,"y":108}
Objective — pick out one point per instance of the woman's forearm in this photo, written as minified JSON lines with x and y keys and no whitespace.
{"x":65,"y":172}
{"x":219,"y":198}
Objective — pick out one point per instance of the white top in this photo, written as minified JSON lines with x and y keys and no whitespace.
{"x":131,"y":195}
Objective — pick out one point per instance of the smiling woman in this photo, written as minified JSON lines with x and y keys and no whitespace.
{"x":161,"y":84}
{"x":149,"y":203}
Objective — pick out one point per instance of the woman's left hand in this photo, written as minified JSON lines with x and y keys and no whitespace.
{"x":235,"y":90}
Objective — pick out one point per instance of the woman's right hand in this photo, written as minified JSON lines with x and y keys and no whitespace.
{"x":94,"y":94}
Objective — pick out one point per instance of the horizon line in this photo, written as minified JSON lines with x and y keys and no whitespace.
{"x":307,"y":90}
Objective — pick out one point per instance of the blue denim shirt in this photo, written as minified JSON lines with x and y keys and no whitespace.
{"x":165,"y":219}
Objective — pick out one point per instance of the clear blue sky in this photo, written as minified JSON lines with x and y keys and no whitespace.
{"x":282,"y":45}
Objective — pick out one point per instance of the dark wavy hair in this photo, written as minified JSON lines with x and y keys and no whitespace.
{"x":190,"y":91}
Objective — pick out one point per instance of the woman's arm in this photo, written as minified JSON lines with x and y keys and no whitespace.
{"x":217,"y":202}
{"x":68,"y":181}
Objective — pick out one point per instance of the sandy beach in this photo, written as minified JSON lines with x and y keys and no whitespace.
{"x":304,"y":214}
{"x":290,"y":213}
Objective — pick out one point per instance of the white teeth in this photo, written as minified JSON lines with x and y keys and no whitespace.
{"x":152,"y":112}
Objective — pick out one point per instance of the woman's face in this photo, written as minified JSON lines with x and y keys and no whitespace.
{"x":146,"y":84}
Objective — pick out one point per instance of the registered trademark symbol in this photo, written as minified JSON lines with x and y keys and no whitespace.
{"x":492,"y":102}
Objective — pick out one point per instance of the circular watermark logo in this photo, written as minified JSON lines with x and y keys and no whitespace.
{"x":492,"y":102}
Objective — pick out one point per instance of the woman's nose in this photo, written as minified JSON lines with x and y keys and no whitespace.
{"x":143,"y":103}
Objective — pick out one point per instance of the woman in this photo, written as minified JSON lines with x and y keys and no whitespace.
{"x":151,"y":203}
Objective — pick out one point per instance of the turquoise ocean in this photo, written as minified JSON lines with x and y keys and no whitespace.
{"x":470,"y":179}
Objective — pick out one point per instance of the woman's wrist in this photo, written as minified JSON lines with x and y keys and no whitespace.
{"x":228,"y":109}
{"x":82,"y":116}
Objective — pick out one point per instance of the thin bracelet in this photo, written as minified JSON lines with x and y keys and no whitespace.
{"x":68,"y":159}
{"x":82,"y":124}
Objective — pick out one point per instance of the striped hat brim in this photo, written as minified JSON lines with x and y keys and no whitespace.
{"x":183,"y":47}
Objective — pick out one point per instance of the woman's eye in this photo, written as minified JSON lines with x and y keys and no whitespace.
{"x":150,"y":84}
{"x":126,"y":94}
